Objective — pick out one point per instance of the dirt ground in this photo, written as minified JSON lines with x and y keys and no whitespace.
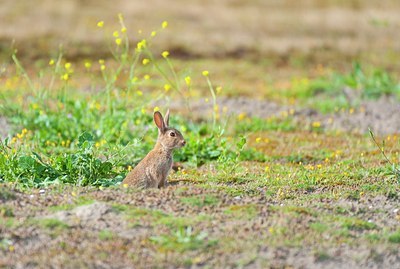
{"x":79,"y":231}
{"x":380,"y":116}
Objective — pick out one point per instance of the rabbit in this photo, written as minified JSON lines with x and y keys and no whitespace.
{"x":152,"y":171}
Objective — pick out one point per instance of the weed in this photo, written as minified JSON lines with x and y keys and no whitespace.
{"x":184,"y":239}
{"x":395,"y":170}
{"x":79,"y":201}
{"x":200,"y":201}
{"x":52,"y":224}
{"x":358,"y":224}
{"x":319,"y":227}
{"x":106,"y":235}
{"x":69,"y":137}
{"x":242,"y":211}
{"x":322,"y":256}
{"x":5,"y":244}
{"x":6,"y":212}
{"x":6,"y":194}
{"x":394,"y":237}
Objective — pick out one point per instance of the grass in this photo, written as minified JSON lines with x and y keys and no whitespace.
{"x":184,"y":239}
{"x":275,"y":178}
{"x":52,"y":224}
{"x":200,"y":201}
{"x":334,"y":91}
{"x":394,"y":237}
{"x":6,"y":195}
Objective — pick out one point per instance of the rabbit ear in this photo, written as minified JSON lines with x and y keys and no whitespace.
{"x":159,"y":121}
{"x":166,"y":118}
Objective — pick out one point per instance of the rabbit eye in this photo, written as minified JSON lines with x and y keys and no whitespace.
{"x":172,"y":134}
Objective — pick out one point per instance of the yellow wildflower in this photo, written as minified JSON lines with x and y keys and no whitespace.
{"x":145,"y":61}
{"x":141,"y":45}
{"x":241,"y":116}
{"x":115,"y":34}
{"x":164,"y":24}
{"x":205,"y":73}
{"x":51,"y":62}
{"x":165,"y":54}
{"x":88,"y":65}
{"x":316,"y":124}
{"x":167,"y":87}
{"x":65,"y":77}
{"x":100,"y":24}
{"x":134,"y":80}
{"x":118,"y":41}
{"x":188,"y":80}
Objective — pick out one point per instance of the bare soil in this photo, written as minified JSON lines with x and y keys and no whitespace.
{"x":64,"y":246}
{"x":381,"y":116}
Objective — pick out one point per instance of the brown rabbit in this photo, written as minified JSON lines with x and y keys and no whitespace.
{"x":152,"y":171}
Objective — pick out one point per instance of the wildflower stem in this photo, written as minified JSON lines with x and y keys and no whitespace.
{"x":53,"y":77}
{"x":22,"y":70}
{"x":383,"y":152}
{"x":214,"y":97}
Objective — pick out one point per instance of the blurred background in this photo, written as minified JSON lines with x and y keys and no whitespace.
{"x":314,"y":30}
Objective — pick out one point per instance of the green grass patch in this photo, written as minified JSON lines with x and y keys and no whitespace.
{"x":242,"y":211}
{"x":357,"y":224}
{"x":394,"y":237}
{"x":79,"y":201}
{"x":52,"y":224}
{"x":200,"y":200}
{"x":6,"y":211}
{"x":336,"y":91}
{"x":183,"y":239}
{"x":105,"y":235}
{"x":6,"y":194}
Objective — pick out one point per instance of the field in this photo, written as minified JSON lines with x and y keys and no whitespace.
{"x":290,"y":112}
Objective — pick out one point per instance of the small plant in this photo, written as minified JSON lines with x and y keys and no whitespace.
{"x":64,"y":135}
{"x":200,"y":201}
{"x":106,"y":235}
{"x":394,"y":237}
{"x":5,"y":244}
{"x":229,"y":159}
{"x":182,"y":240}
{"x":52,"y":224}
{"x":395,"y":168}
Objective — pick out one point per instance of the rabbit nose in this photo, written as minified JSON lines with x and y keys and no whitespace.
{"x":183,"y":142}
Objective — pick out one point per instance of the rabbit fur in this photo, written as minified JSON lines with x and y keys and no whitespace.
{"x":152,"y":171}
